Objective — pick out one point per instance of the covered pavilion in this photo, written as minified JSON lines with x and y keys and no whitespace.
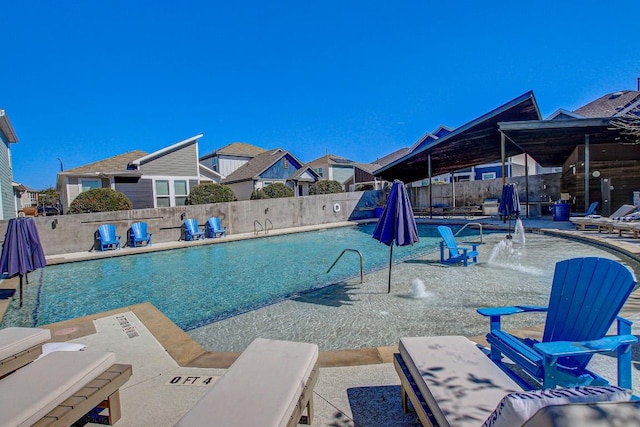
{"x":513,"y":128}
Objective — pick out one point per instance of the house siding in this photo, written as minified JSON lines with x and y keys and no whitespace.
{"x":229,"y":164}
{"x":6,"y":187}
{"x":341,"y":174}
{"x":278,"y":170}
{"x":183,"y":162}
{"x":139,"y":191}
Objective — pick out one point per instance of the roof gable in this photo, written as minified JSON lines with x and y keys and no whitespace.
{"x":170,"y":149}
{"x":258,"y":165}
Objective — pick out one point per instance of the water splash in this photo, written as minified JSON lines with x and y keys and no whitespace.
{"x":510,"y":253}
{"x":419,"y":290}
{"x":518,"y":233}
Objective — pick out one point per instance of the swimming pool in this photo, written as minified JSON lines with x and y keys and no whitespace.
{"x":350,"y":315}
{"x":196,"y":286}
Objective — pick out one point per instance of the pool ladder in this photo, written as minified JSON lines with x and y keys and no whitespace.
{"x":361,"y":262}
{"x":266,"y":228}
{"x":471,"y":223}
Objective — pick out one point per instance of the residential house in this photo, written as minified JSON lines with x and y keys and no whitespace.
{"x":8,"y":201}
{"x":363,"y":176}
{"x":333,"y":167}
{"x":159,"y":179}
{"x":268,"y":168}
{"x":229,"y":158}
{"x":27,"y":197}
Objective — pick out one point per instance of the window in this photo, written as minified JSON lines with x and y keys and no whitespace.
{"x":163,"y":198}
{"x":266,"y":183}
{"x":89,"y":184}
{"x":488,"y":175}
{"x":319,"y":171}
{"x":180,"y":192}
{"x":215,"y":164}
{"x":285,"y":163}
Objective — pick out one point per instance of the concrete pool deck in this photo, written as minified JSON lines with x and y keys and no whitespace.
{"x":355,"y":387}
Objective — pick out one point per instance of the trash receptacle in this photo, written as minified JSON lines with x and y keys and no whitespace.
{"x":561,"y":212}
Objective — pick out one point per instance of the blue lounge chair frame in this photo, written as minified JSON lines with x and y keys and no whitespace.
{"x":456,"y":253}
{"x":213,"y":228}
{"x":107,"y":238}
{"x":138,"y":234}
{"x":590,"y":211}
{"x":586,"y":297}
{"x":192,"y":230}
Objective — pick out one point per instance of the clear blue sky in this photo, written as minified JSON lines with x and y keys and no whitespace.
{"x":86,"y":80}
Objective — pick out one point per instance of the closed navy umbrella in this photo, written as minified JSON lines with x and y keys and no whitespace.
{"x":21,"y":250}
{"x":397,"y":223}
{"x":509,"y":204}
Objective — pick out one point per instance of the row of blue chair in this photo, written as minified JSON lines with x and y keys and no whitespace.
{"x":212,"y":229}
{"x":108,"y":239}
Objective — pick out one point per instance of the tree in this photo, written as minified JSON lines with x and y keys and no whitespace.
{"x":327,"y":186}
{"x":273,"y":191}
{"x":100,"y":200}
{"x":210,"y":193}
{"x":629,"y":126}
{"x":49,"y":200}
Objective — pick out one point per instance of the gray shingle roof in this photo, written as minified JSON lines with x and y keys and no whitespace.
{"x":254,"y":166}
{"x":241,"y":149}
{"x":383,"y":161}
{"x":610,"y":105}
{"x":113,"y":164}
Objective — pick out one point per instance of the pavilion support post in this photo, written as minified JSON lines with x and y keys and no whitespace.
{"x":586,"y":172}
{"x":503,"y":154}
{"x":526,"y":184}
{"x":430,"y":187}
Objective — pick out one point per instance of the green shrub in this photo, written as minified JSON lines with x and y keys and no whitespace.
{"x":273,"y":191}
{"x":210,"y":193}
{"x":325,"y":187}
{"x":100,"y":200}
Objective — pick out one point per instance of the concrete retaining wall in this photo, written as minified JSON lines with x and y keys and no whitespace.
{"x":76,"y":233}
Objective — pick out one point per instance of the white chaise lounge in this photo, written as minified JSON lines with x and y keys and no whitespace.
{"x":61,"y":387}
{"x":20,"y":346}
{"x":270,"y":384}
{"x":451,"y":382}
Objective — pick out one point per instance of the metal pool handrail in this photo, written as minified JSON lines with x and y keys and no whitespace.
{"x":471,"y":223}
{"x":266,"y":226}
{"x":361,"y":262}
{"x":255,"y":230}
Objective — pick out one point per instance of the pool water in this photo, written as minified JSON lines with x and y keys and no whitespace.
{"x":196,"y":286}
{"x":351,"y":315}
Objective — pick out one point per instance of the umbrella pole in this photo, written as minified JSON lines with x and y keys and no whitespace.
{"x":21,"y":290}
{"x":390,"y":262}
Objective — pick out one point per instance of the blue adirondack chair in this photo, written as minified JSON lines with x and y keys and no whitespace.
{"x":107,"y":238}
{"x":213,"y":228}
{"x":586,"y":297}
{"x":138,"y":234}
{"x":456,"y":253}
{"x":192,"y":230}
{"x":590,"y":211}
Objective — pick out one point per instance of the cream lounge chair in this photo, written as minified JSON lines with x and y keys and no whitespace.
{"x":631,"y":226}
{"x":20,"y":346}
{"x":270,"y":384}
{"x":451,"y":382}
{"x":61,"y":387}
{"x":600,"y":223}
